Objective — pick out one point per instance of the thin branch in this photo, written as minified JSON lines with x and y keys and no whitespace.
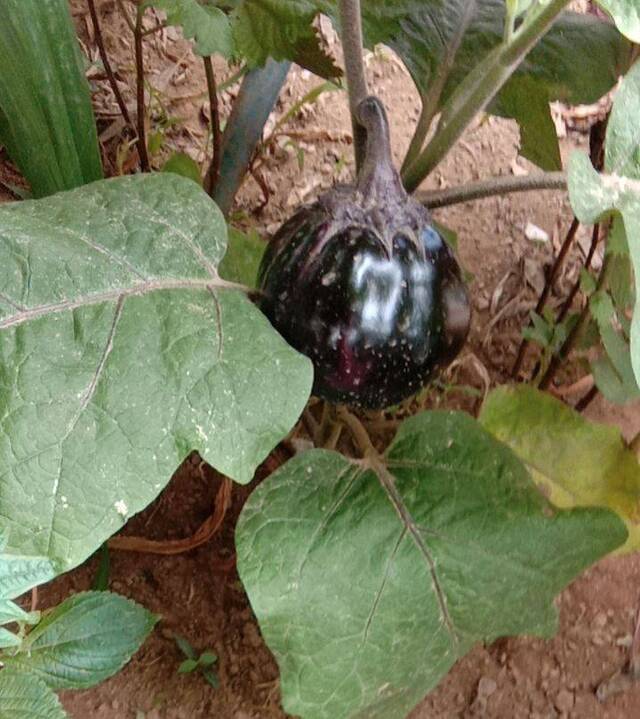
{"x":577,"y":331}
{"x":213,"y":173}
{"x":352,"y":45}
{"x":431,"y":101}
{"x":107,"y":65}
{"x":142,"y":134}
{"x":156,"y":28}
{"x":595,"y":237}
{"x":126,"y":16}
{"x":493,"y":186}
{"x":546,"y":291}
{"x":587,"y":399}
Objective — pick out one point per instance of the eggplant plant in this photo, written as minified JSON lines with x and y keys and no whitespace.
{"x":137,"y":325}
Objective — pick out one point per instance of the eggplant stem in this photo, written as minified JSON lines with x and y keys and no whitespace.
{"x":352,"y":46}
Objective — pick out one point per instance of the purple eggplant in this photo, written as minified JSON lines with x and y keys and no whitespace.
{"x":362,"y":283}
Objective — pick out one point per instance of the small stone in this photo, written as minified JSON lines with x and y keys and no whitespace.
{"x":535,"y":234}
{"x":600,"y":620}
{"x":486,"y":687}
{"x":564,"y":701}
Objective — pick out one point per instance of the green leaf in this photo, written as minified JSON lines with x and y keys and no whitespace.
{"x":207,"y":659}
{"x":202,"y":22}
{"x":595,"y":196}
{"x":368,"y":586}
{"x":626,"y":14}
{"x":8,"y":639}
{"x":185,"y":647}
{"x":243,"y":257}
{"x":613,"y":374}
{"x":23,"y":696}
{"x":577,"y":462}
{"x":11,"y":612}
{"x":84,"y":640}
{"x":577,"y":61}
{"x":211,"y":678}
{"x":19,"y":574}
{"x":528,"y":103}
{"x":121,"y":351}
{"x":181,"y":164}
{"x":188,"y":666}
{"x":282,"y":30}
{"x":46,"y":120}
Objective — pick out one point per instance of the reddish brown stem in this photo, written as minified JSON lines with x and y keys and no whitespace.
{"x":178,"y":546}
{"x":107,"y":65}
{"x":587,"y":399}
{"x":142,"y":134}
{"x":551,"y":277}
{"x":155,"y":28}
{"x":576,"y":332}
{"x":595,"y":237}
{"x":213,"y":173}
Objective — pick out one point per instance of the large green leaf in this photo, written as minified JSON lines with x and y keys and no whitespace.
{"x":281,"y":30}
{"x":577,"y":462}
{"x":23,"y":696}
{"x":369,"y":585}
{"x":121,"y":350}
{"x":626,"y":14}
{"x":578,"y":61}
{"x":84,"y":640}
{"x":595,"y":196}
{"x":46,"y":120}
{"x":204,"y":23}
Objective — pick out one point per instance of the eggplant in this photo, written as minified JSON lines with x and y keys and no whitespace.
{"x":363,"y":284}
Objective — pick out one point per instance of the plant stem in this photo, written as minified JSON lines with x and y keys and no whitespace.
{"x":431,"y":101}
{"x":550,"y":279}
{"x":126,"y":16}
{"x":493,"y":186}
{"x":352,"y":45}
{"x":213,"y":173}
{"x":576,"y":333}
{"x":156,"y":28}
{"x":142,"y":135}
{"x":479,"y":88}
{"x":587,"y":399}
{"x":359,"y":433}
{"x":595,"y":237}
{"x":107,"y":65}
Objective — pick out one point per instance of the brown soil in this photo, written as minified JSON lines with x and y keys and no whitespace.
{"x":198,"y":594}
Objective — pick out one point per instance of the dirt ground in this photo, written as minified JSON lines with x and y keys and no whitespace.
{"x":198,"y":594}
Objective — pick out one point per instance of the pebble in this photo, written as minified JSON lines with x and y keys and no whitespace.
{"x":564,"y":700}
{"x":486,"y":687}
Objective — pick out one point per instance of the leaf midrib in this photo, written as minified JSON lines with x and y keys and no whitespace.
{"x":137,"y":289}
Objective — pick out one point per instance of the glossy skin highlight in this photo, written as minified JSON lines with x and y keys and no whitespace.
{"x":363,"y":284}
